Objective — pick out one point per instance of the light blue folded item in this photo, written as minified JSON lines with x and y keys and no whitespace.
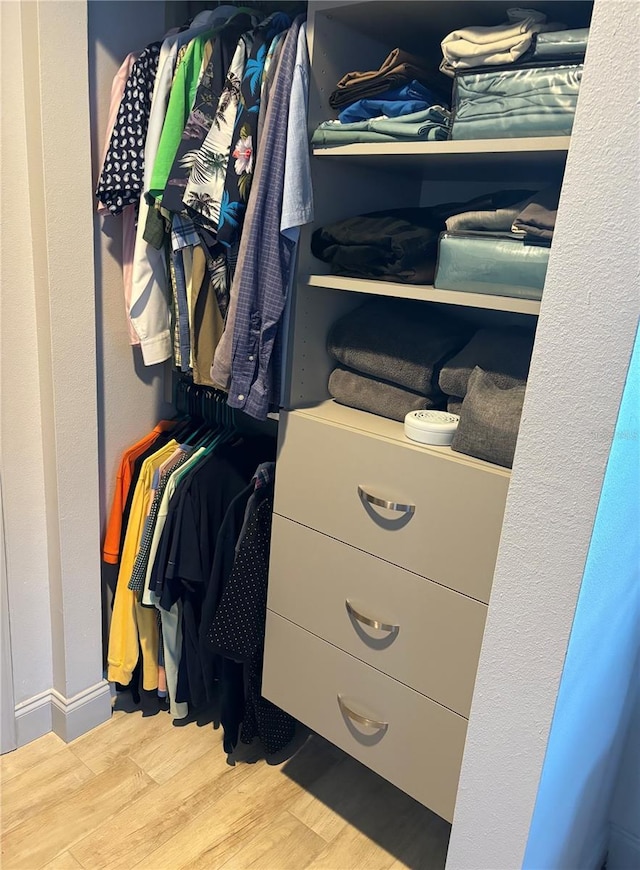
{"x":328,"y":136}
{"x":525,"y":101}
{"x":560,"y":44}
{"x":498,"y":265}
{"x":500,"y":126}
{"x":430,"y":124}
{"x":365,"y":109}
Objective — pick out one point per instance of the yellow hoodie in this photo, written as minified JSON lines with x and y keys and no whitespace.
{"x":130,"y":621}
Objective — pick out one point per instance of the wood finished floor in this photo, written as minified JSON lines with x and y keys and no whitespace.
{"x":140,"y":792}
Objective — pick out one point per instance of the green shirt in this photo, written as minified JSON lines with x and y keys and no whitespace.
{"x":183,"y":94}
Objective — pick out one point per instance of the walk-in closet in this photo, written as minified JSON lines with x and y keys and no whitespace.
{"x":325,"y":335}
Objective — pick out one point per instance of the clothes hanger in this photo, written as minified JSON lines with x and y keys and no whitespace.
{"x":220,"y":410}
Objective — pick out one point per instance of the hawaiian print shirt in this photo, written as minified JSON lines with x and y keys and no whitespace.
{"x":220,"y":180}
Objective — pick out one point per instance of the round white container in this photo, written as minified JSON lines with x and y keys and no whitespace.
{"x":431,"y":427}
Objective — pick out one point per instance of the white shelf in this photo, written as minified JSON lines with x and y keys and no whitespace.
{"x":391,"y":430}
{"x":434,"y":157}
{"x":425,"y":293}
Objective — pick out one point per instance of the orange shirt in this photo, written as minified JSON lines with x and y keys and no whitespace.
{"x":111,"y":547}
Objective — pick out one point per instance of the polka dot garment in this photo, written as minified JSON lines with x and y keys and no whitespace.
{"x":121,"y":180}
{"x":238,"y":628}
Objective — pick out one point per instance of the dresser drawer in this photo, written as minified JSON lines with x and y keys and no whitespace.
{"x":449,"y":529}
{"x":331,"y":589}
{"x":417,"y":744}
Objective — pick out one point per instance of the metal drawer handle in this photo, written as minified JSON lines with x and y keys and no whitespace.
{"x":382,"y":502}
{"x":368,"y":620}
{"x":362,"y":720}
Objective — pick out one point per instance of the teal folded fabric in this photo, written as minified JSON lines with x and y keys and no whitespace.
{"x":327,"y":137}
{"x":495,"y":264}
{"x":560,"y":44}
{"x":427,"y":125}
{"x":519,"y":102}
{"x":504,"y":127}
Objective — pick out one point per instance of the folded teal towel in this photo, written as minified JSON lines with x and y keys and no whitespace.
{"x":427,"y":125}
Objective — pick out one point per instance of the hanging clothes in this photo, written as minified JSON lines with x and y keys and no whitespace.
{"x":129,"y":212}
{"x":121,"y":180}
{"x":221,"y":153}
{"x":150,"y":309}
{"x":223,"y":70}
{"x":236,"y":631}
{"x":199,"y":529}
{"x":243,"y":359}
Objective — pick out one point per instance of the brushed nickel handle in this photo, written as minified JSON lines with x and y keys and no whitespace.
{"x":383,"y":502}
{"x":369,"y":620}
{"x":362,"y":720}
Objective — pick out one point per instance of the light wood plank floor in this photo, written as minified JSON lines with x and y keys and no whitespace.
{"x":140,"y":792}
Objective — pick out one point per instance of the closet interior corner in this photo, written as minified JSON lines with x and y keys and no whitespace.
{"x":346,"y":293}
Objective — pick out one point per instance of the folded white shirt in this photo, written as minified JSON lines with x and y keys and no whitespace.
{"x":505,"y":43}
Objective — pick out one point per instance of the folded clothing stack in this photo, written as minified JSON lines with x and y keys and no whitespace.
{"x":390,"y":353}
{"x":532,"y":218}
{"x":519,"y":78}
{"x":501,"y":252}
{"x":398,"y":69}
{"x":398,"y":244}
{"x":536,"y":220}
{"x":403,"y":101}
{"x":485,"y":383}
{"x":427,"y":125}
{"x":473,"y":47}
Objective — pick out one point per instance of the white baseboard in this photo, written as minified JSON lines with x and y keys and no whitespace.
{"x":33,"y":718}
{"x":67,"y":717}
{"x":624,"y":850}
{"x":72,"y":717}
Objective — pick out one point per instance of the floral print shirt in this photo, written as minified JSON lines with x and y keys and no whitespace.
{"x":203,"y":191}
{"x":220,"y":180}
{"x":203,"y":113}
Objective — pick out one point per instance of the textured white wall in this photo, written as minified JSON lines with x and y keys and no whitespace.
{"x":21,"y":417}
{"x":580,"y":361}
{"x":570,"y":825}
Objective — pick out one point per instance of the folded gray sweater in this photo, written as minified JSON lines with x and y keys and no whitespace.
{"x":399,"y":341}
{"x":489,"y":420}
{"x":377,"y":396}
{"x":505,"y":354}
